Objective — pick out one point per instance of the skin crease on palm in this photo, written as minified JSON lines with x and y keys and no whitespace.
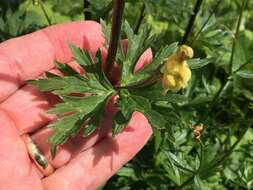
{"x":81,"y":163}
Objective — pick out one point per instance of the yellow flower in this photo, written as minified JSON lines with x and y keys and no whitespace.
{"x":177,"y":72}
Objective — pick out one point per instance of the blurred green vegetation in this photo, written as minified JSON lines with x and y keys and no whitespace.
{"x":218,"y":98}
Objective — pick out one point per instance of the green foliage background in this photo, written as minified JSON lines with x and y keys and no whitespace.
{"x":221,"y":100}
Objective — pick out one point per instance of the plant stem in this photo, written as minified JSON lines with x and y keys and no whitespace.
{"x":231,"y":57}
{"x":191,"y":21}
{"x":236,"y":34}
{"x":189,"y":180}
{"x":44,"y":12}
{"x":243,"y":65}
{"x":218,"y":94}
{"x":207,"y":20}
{"x":228,"y":153}
{"x":86,"y":13}
{"x":137,"y":27}
{"x":117,"y":14}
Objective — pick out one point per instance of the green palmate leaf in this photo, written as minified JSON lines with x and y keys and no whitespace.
{"x":180,"y":163}
{"x":73,"y":82}
{"x":76,"y":108}
{"x":80,"y":109}
{"x":94,"y":121}
{"x":198,"y":63}
{"x":63,"y":130}
{"x":129,"y":103}
{"x":101,"y":77}
{"x":66,"y":85}
{"x":65,"y":69}
{"x":156,"y":119}
{"x":120,"y":122}
{"x":155,"y":93}
{"x":93,"y":68}
{"x":137,"y":44}
{"x":78,"y":104}
{"x":82,"y":57}
{"x":210,"y":153}
{"x":171,"y":170}
{"x":49,"y":85}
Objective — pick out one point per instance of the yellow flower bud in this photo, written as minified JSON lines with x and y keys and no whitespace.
{"x":177,"y":72}
{"x":169,"y":82}
{"x":184,"y":52}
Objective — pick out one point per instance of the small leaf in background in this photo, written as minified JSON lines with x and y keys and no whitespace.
{"x":198,"y":63}
{"x":126,"y":172}
{"x":199,"y":184}
{"x":245,"y":74}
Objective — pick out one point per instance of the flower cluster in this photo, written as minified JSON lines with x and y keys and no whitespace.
{"x":177,"y":72}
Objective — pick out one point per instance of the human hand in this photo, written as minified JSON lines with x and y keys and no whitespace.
{"x":80,"y":163}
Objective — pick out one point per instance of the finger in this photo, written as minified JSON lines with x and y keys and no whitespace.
{"x":27,"y":108}
{"x":28,"y":105}
{"x":102,"y":160}
{"x":28,"y":98}
{"x":145,"y":59}
{"x":16,"y":169}
{"x":29,"y":56}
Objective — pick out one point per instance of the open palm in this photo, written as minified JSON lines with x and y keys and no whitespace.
{"x":80,"y":163}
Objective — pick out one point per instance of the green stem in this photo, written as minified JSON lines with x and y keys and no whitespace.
{"x":137,"y":27}
{"x":118,"y":9}
{"x":184,"y":168}
{"x":191,"y":21}
{"x":243,"y":65}
{"x":236,"y":34}
{"x":231,"y":57}
{"x":205,"y":23}
{"x":217,"y":95}
{"x":187,"y":182}
{"x":228,"y":153}
{"x":44,"y":12}
{"x":86,"y":13}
